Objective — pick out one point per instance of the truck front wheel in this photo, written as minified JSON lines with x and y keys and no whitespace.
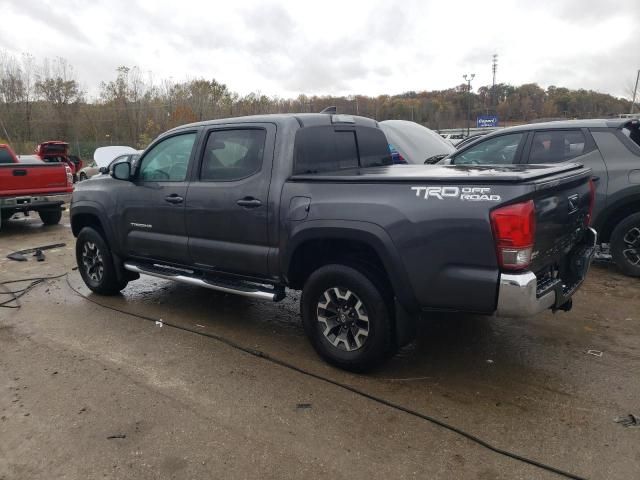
{"x":347,"y":318}
{"x":95,"y":263}
{"x":625,"y":245}
{"x":50,"y":217}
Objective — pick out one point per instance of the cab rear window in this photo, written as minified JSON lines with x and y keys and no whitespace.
{"x":5,"y":156}
{"x":330,"y":148}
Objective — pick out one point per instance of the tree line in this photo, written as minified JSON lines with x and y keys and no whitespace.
{"x":44,"y":100}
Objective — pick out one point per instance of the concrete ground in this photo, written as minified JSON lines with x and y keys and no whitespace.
{"x":86,"y":392}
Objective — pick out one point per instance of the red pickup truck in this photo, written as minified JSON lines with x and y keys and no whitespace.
{"x":30,"y":184}
{"x":57,"y":151}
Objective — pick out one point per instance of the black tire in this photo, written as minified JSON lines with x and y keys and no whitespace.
{"x":95,"y":263}
{"x":625,"y":245}
{"x":350,"y":353}
{"x":50,"y":217}
{"x":5,"y":217}
{"x":83,"y":176}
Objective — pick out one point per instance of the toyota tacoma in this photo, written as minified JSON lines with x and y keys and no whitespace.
{"x":311,"y":202}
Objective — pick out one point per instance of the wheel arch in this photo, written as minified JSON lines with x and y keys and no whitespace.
{"x":88,"y":214}
{"x":316,"y":243}
{"x":614,"y":214}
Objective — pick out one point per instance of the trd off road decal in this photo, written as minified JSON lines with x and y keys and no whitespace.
{"x":469,"y":194}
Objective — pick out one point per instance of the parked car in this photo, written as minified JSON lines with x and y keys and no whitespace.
{"x":611,"y":148}
{"x":414,"y":143}
{"x":103,"y":157}
{"x":470,"y":139}
{"x":33,"y":185}
{"x":454,"y":138}
{"x":311,"y":202}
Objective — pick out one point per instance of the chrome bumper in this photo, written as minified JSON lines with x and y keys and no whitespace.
{"x":517,"y":293}
{"x":27,"y":201}
{"x":517,"y":296}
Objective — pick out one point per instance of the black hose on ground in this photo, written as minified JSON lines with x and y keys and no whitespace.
{"x":16,"y":294}
{"x":382,"y":401}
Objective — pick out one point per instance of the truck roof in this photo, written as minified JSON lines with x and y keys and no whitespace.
{"x":303,"y":120}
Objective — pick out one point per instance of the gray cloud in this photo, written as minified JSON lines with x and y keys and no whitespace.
{"x":51,"y":18}
{"x":284,"y":47}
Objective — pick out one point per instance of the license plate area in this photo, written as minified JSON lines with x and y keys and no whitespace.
{"x":566,"y":276}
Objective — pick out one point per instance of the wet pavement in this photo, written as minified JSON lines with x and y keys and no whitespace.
{"x":73,"y":374}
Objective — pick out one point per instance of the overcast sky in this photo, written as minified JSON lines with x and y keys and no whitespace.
{"x":336,"y":47}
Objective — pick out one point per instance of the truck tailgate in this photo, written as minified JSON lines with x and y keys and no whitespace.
{"x":562,"y":208}
{"x":29,"y":179}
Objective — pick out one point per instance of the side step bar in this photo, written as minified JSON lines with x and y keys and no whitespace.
{"x":246,"y":290}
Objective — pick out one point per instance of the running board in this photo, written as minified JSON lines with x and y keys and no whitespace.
{"x":244,"y":289}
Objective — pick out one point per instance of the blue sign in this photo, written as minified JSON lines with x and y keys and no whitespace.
{"x":484,"y":121}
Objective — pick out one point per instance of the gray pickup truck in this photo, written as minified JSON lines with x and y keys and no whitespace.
{"x":311,"y":202}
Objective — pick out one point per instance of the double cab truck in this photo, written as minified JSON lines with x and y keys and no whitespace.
{"x":29,"y":184}
{"x":312,"y":202}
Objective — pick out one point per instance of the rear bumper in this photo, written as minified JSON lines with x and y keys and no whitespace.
{"x":34,"y":202}
{"x":520,"y":295}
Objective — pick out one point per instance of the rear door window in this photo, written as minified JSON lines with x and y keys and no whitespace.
{"x":233,"y":154}
{"x":499,"y":150}
{"x":555,"y":146}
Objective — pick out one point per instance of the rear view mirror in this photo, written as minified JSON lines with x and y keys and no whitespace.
{"x":121,"y":171}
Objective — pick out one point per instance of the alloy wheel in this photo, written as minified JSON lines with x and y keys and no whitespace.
{"x":92,"y":261}
{"x":632,"y":246}
{"x":343,"y":318}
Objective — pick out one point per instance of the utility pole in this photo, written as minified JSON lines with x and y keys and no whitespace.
{"x":494,"y":69}
{"x":468,"y":78}
{"x":635,"y":92}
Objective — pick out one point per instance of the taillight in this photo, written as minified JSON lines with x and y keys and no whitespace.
{"x":592,"y":201}
{"x":69,"y":176}
{"x":514,"y":229}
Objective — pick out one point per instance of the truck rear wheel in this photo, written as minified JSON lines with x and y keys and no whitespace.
{"x":95,"y":263}
{"x":625,"y":245}
{"x":50,"y":217}
{"x":347,"y":318}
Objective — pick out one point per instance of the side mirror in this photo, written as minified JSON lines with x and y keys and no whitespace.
{"x":121,"y":171}
{"x":447,"y":161}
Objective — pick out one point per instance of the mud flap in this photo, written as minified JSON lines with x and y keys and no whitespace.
{"x":406,"y":325}
{"x":121,"y":273}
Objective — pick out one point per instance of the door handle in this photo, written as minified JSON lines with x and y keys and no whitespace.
{"x":249,"y":202}
{"x":173,"y":198}
{"x":595,"y":179}
{"x":20,"y":173}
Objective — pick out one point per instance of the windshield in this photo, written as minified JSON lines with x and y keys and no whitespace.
{"x":414,"y":142}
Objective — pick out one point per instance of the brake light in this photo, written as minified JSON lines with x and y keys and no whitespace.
{"x":514,"y":228}
{"x":592,"y":201}
{"x":69,"y":176}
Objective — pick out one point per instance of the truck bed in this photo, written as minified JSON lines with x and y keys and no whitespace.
{"x":32,"y":178}
{"x":441,"y":173}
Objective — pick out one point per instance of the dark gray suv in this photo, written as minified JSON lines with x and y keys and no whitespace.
{"x":611,"y":148}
